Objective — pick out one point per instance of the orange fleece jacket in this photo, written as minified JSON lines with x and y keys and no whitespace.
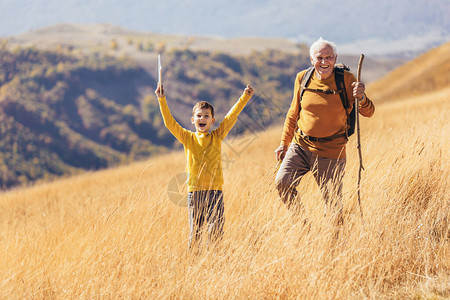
{"x":203,"y":150}
{"x":321,"y":115}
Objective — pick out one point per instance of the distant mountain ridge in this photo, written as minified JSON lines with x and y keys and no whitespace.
{"x":91,"y":38}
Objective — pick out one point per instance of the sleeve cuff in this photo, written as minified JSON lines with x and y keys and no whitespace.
{"x":246,"y":96}
{"x":363,"y":101}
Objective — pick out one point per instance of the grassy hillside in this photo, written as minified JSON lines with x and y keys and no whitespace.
{"x":117,"y":233}
{"x":425,"y":74}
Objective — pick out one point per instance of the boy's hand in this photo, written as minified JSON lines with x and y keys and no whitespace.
{"x":160,"y":91}
{"x":249,"y":90}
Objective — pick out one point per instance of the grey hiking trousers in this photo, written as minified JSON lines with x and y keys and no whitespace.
{"x":328,"y":173}
{"x":205,"y":207}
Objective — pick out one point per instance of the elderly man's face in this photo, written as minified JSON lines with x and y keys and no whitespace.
{"x":323,"y":61}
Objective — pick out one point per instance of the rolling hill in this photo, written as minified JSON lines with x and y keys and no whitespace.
{"x":425,"y":74}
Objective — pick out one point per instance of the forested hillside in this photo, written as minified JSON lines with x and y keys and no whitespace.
{"x":61,"y":113}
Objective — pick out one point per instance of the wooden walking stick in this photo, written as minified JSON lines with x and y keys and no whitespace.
{"x":358,"y":134}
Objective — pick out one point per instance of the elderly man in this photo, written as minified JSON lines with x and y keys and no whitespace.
{"x":317,"y":124}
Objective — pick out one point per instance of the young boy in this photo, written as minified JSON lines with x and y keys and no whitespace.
{"x":203,"y":149}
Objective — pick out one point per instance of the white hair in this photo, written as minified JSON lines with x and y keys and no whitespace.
{"x":320,"y":43}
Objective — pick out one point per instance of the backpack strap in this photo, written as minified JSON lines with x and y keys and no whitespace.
{"x":340,"y":84}
{"x":305,"y":80}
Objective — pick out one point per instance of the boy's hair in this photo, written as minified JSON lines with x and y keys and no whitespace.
{"x":203,"y":104}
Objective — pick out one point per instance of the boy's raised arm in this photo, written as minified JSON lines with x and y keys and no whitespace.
{"x":169,"y":120}
{"x":231,"y":117}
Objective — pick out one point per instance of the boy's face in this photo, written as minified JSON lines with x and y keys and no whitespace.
{"x":203,"y":119}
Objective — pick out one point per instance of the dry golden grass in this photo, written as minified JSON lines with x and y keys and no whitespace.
{"x":427,"y":73}
{"x":116,"y":234}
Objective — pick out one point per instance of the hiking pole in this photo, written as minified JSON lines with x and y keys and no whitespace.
{"x":358,"y":135}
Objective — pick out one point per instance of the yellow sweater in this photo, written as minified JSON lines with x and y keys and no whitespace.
{"x":321,"y":115}
{"x":203,"y":150}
